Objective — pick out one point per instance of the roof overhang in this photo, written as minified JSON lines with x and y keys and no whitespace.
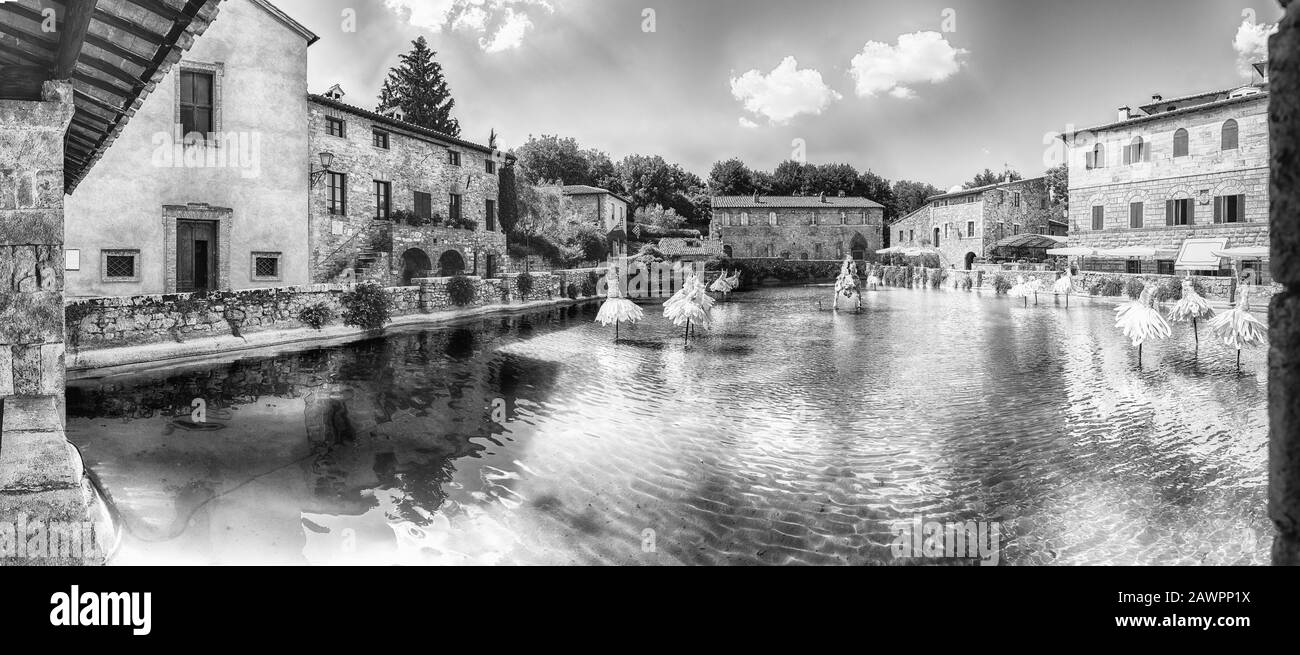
{"x":114,"y":52}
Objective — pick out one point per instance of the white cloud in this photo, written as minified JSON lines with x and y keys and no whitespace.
{"x":501,"y":25}
{"x":747,"y":124}
{"x":1251,"y":44}
{"x":784,"y":93}
{"x":918,"y":57}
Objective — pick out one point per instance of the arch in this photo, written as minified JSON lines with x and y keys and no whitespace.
{"x":859,"y":246}
{"x":970,"y":260}
{"x":1180,"y":143}
{"x":1230,"y":132}
{"x":415,"y":264}
{"x":726,"y":250}
{"x":451,"y":264}
{"x":1136,"y":151}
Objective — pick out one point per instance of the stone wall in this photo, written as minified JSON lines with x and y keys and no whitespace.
{"x":799,"y":233}
{"x":995,"y":215}
{"x":31,"y":243}
{"x":473,"y":247}
{"x":413,"y":162}
{"x":1220,"y":289}
{"x":101,"y":323}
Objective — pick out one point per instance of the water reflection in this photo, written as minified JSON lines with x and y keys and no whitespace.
{"x":784,"y":435}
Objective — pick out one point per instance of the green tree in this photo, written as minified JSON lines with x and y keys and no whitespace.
{"x":549,"y":159}
{"x":910,"y":196}
{"x":418,"y":88}
{"x":987,"y":178}
{"x":658,"y":216}
{"x":731,"y":178}
{"x":792,"y":178}
{"x":877,"y":188}
{"x":833,"y":179}
{"x":1058,"y":183}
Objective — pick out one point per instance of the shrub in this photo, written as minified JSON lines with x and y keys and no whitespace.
{"x":367,"y":307}
{"x":316,"y":316}
{"x":461,"y":291}
{"x":937,"y":277}
{"x":1111,"y":286}
{"x":589,"y":285}
{"x":1133,"y":288}
{"x":1001,"y":284}
{"x":572,"y":291}
{"x":966,"y":283}
{"x":1170,"y":291}
{"x":525,"y":283}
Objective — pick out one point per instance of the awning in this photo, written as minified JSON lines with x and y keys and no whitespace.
{"x":1244,"y":253}
{"x":1199,"y":255}
{"x":1071,"y":252}
{"x":1136,"y":252}
{"x":1032,"y":241}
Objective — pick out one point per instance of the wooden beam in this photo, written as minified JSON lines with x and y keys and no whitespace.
{"x":76,"y":20}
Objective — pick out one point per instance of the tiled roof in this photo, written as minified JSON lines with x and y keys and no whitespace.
{"x":402,"y":125}
{"x":989,"y":187}
{"x":587,"y":190}
{"x":793,"y":202}
{"x":1182,"y":111}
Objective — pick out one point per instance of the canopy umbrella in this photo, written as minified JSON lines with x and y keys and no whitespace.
{"x":1076,"y":251}
{"x":1136,"y":252}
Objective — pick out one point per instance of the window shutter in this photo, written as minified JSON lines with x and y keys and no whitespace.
{"x":1169,"y":213}
{"x":1128,"y":154}
{"x":1218,"y":209}
{"x":1241,"y":208}
{"x":1088,"y":160}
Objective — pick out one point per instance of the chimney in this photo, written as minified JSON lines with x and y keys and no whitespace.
{"x":1157,"y":98}
{"x":1124,"y":113}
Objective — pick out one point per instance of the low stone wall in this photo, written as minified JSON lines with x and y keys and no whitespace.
{"x":102,"y":323}
{"x":1215,"y":288}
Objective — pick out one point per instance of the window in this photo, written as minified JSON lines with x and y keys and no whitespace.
{"x":1015,"y":229}
{"x":1002,"y":230}
{"x":1133,"y":267}
{"x":1180,"y":143}
{"x":1136,"y":152}
{"x":335,"y":127}
{"x":1015,"y":198}
{"x":1165,"y":267}
{"x":1230,"y":209}
{"x":1180,"y":212}
{"x":1098,"y":217}
{"x":492,"y":216}
{"x":900,"y":236}
{"x":1042,"y":202}
{"x":266,"y":266}
{"x":490,"y":166}
{"x":453,"y":210}
{"x":338,"y":194}
{"x":1230,"y":135}
{"x":844,"y":219}
{"x":196,"y":103}
{"x":1097,"y":158}
{"x":771,"y":218}
{"x":1135,"y":214}
{"x":383,"y":199}
{"x":744,"y":218}
{"x":120,"y":265}
{"x":817,"y":251}
{"x":970,"y":229}
{"x":381,"y":139}
{"x":453,"y":158}
{"x":911,"y":236}
{"x":423,"y":205}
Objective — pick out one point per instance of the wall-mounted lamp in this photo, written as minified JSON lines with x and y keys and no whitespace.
{"x":326,"y":160}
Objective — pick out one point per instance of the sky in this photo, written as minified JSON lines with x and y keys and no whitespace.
{"x":921,"y":90}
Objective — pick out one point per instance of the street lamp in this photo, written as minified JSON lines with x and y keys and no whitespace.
{"x":326,"y":160}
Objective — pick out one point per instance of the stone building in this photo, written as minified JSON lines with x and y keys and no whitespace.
{"x":1183,"y":176}
{"x":967,"y":225}
{"x":794,"y":227}
{"x":392,"y":201}
{"x":206,"y":188}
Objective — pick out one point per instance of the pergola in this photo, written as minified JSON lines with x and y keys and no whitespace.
{"x":113,"y":51}
{"x":1027,"y":246}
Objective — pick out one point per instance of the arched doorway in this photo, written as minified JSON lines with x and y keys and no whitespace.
{"x":970,"y":260}
{"x":859,"y":246}
{"x":726,"y":250}
{"x":415,"y":264}
{"x":936,"y":237}
{"x":451,"y":264}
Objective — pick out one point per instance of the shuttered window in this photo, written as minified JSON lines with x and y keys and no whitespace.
{"x":1098,"y":217}
{"x":196,"y":103}
{"x":1135,"y":215}
{"x":1180,"y":212}
{"x":1230,"y":209}
{"x":1180,"y":143}
{"x":423,"y":205}
{"x":1230,"y":135}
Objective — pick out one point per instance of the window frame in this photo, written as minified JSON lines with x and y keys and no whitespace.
{"x":384,"y":209}
{"x":1184,"y":139}
{"x":1235,"y":132}
{"x":381,"y":139}
{"x":490,"y":212}
{"x":1221,"y":209}
{"x":136,"y":263}
{"x":278,"y":257}
{"x":453,"y":157}
{"x":427,"y":203}
{"x":331,"y":122}
{"x":336,"y":204}
{"x":455,"y":207}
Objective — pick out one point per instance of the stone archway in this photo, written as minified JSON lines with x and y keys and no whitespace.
{"x":451,"y":264}
{"x":859,"y":246}
{"x":970,"y":260}
{"x":415,"y":264}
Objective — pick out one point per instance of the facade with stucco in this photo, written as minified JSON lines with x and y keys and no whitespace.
{"x":795,"y":227}
{"x":223,"y":207}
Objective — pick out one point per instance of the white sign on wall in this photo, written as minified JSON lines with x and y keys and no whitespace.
{"x":71,"y":260}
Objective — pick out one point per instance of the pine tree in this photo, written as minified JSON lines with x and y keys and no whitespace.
{"x":418,"y":89}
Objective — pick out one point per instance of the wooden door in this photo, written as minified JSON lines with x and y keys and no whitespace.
{"x":196,"y":256}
